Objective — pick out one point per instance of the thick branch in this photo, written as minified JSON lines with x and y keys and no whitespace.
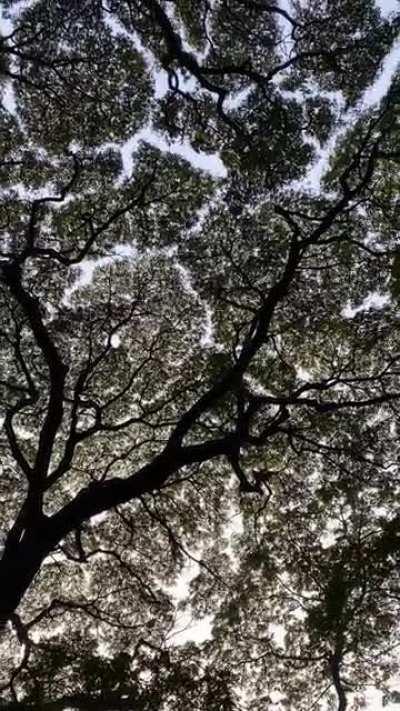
{"x":57,"y":370}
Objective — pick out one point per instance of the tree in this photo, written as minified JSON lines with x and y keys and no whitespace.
{"x":178,"y":348}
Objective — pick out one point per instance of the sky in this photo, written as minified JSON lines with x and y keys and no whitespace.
{"x":388,"y":6}
{"x":214,"y":165}
{"x":199,"y":631}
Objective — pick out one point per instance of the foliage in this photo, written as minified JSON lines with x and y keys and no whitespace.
{"x":199,"y":384}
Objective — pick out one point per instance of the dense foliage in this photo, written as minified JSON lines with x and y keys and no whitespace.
{"x":199,"y":384}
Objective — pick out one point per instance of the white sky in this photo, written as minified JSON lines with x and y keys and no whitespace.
{"x":388,"y":6}
{"x":371,"y":97}
{"x":214,"y":165}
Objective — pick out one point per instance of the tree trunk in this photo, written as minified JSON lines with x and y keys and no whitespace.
{"x":18,"y":567}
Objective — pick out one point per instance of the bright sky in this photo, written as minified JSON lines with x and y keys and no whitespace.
{"x":214,"y":165}
{"x":388,"y":6}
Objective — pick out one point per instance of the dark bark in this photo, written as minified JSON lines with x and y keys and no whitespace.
{"x":335,"y":663}
{"x":18,"y":567}
{"x":22,"y":559}
{"x":33,"y":535}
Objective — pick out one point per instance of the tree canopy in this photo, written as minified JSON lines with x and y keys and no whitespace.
{"x":199,"y":368}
